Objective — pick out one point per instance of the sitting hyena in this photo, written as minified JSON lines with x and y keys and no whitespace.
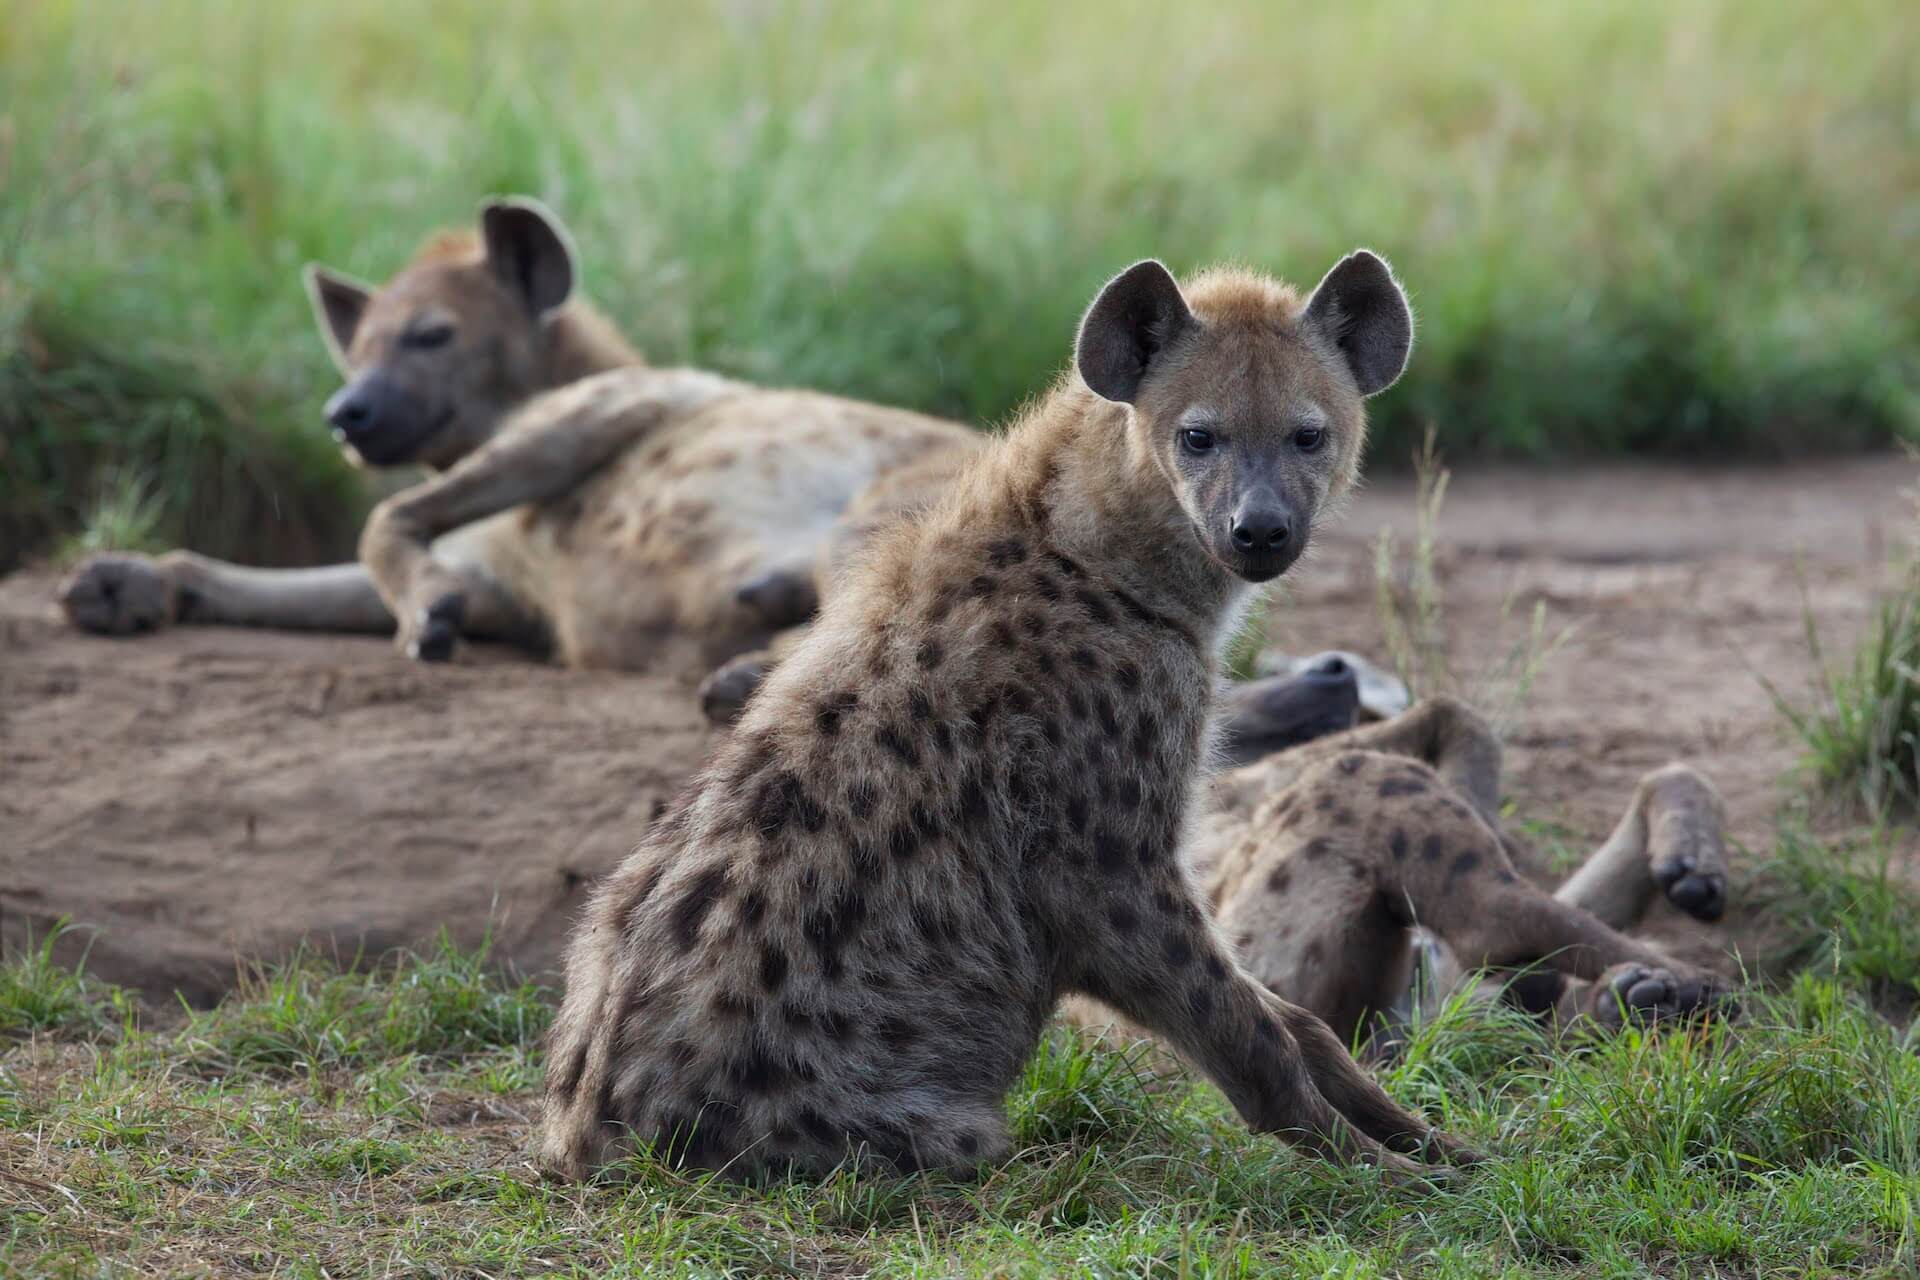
{"x":1368,"y":872}
{"x":629,"y":517}
{"x":963,"y":795}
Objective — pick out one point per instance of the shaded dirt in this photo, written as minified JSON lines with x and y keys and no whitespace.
{"x":208,"y":793}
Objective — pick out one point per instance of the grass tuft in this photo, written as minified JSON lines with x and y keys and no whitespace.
{"x":39,"y":994}
{"x":305,"y":1016}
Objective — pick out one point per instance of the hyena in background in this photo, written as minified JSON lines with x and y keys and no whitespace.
{"x":1367,"y":873}
{"x":964,"y":794}
{"x":661,"y":520}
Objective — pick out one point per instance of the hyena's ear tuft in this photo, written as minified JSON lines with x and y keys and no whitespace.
{"x":1136,"y":317}
{"x":529,"y":250}
{"x":1363,"y":310}
{"x":338,"y":303}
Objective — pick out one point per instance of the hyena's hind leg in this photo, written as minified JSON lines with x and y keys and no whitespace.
{"x":1671,"y":840}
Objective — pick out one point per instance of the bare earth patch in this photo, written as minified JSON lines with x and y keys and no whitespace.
{"x":206,"y":793}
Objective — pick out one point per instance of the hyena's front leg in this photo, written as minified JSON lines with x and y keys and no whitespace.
{"x":578,"y":430}
{"x":121,"y":594}
{"x":1280,"y":1065}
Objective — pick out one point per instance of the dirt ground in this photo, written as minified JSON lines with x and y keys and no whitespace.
{"x":208,"y":794}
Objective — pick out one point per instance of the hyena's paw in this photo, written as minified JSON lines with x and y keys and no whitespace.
{"x":434,"y":633}
{"x":1639,"y":994}
{"x":724,"y":694}
{"x":1686,"y":842}
{"x":119,"y":595}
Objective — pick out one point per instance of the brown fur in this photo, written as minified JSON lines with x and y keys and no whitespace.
{"x":587,"y":503}
{"x":962,"y":797}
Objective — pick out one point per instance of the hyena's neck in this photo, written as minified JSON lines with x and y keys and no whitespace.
{"x":581,"y":342}
{"x":1074,"y":465}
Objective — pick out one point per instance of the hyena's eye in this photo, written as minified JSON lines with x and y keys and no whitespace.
{"x":427,"y":336}
{"x":1197,"y":440}
{"x":1309,"y":439}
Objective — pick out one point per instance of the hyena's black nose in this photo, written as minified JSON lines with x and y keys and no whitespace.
{"x":1261,"y":529}
{"x":352,"y":411}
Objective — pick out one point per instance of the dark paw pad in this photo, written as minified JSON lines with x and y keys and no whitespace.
{"x":440,"y":625}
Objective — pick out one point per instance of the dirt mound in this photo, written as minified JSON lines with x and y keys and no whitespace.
{"x":209,"y":793}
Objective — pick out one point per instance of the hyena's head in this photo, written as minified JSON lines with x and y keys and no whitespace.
{"x":1249,"y":399}
{"x":433,"y":358}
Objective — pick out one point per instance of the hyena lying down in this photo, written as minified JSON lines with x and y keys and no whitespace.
{"x":663,"y":520}
{"x":963,"y":795}
{"x":1366,"y":872}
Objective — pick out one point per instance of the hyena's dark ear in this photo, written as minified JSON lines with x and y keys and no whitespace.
{"x":1363,"y":310}
{"x":529,"y":250}
{"x":338,"y":303}
{"x":1135,"y":318}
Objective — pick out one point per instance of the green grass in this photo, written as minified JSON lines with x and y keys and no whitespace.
{"x":1861,"y":728}
{"x":1627,"y":228}
{"x":39,"y":994}
{"x":1847,"y":910}
{"x":1787,"y":1145}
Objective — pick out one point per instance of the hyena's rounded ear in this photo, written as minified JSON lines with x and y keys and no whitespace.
{"x":529,"y":250}
{"x":338,"y":303}
{"x":1362,"y":309}
{"x":1136,"y":317}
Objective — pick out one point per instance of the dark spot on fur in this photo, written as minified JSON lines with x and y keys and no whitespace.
{"x":1095,"y":606}
{"x":1402,"y":786}
{"x":773,"y":967}
{"x":982,"y":586}
{"x":1216,"y":968}
{"x":1178,"y":950}
{"x":940,"y":607}
{"x":826,"y":717}
{"x":1279,"y":880}
{"x":974,"y":808}
{"x":1050,"y":730}
{"x":1086,"y":659}
{"x":753,"y":905}
{"x":1008,"y":551}
{"x":899,"y":744}
{"x":1076,"y":704}
{"x":943,"y":737}
{"x":1313,"y":954}
{"x":1104,"y":713}
{"x":1123,"y":918}
{"x":1128,"y":792}
{"x":1430,"y":848}
{"x":784,"y":799}
{"x":1505,"y":877}
{"x":819,"y":1128}
{"x":1352,"y":763}
{"x":1033,"y":624}
{"x":1200,"y":1001}
{"x":898,"y":1033}
{"x":861,"y":799}
{"x":1077,"y":813}
{"x":1167,"y":901}
{"x":1109,"y":850}
{"x":919,"y":705}
{"x":1397,"y":846}
{"x":929,"y":655}
{"x":1316,"y":848}
{"x":1463,"y":864}
{"x":1065,"y":565}
{"x":1003,"y":634}
{"x":1127,"y":676}
{"x":1043,"y":660}
{"x":1047,"y":586}
{"x":701,"y":895}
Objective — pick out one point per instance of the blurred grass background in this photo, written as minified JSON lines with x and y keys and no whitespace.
{"x":1680,"y":230}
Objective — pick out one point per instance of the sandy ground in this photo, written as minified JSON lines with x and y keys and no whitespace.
{"x":208,"y":794}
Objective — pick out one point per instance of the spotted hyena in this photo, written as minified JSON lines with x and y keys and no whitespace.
{"x":963,"y":795}
{"x":620,"y":515}
{"x":1364,"y":872}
